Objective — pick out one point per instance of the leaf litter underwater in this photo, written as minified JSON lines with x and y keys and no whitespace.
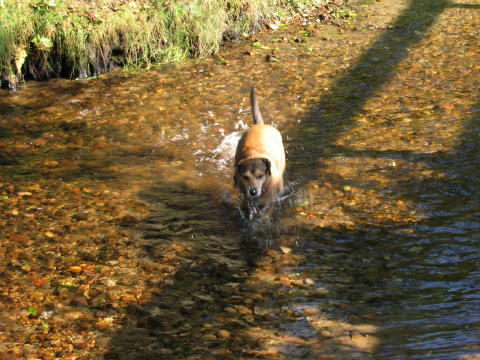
{"x":121,"y":239}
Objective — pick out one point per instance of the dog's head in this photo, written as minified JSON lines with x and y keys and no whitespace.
{"x":252,"y":177}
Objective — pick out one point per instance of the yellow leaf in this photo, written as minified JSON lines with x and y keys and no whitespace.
{"x":75,"y":269}
{"x":24,"y":193}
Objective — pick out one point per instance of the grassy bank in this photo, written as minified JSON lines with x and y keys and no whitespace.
{"x":40,"y":39}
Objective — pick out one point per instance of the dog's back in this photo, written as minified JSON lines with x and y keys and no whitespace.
{"x":261,"y":140}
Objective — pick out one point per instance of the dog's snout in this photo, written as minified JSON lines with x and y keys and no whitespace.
{"x":253,"y":192}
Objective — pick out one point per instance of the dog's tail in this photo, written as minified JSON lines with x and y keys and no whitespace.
{"x":257,"y":116}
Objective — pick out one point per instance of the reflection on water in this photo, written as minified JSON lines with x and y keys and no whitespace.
{"x":375,"y":255}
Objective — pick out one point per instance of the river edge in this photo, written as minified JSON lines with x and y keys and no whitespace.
{"x":48,"y":39}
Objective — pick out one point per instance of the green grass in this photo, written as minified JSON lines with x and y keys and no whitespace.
{"x":40,"y":39}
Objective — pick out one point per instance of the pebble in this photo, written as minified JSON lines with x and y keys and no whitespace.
{"x":308,"y":282}
{"x":260,"y":310}
{"x":109,"y":282}
{"x":285,"y":249}
{"x":243,"y":310}
{"x":230,"y":310}
{"x":224,"y":334}
{"x":209,"y":337}
{"x":323,"y":291}
{"x":249,"y":319}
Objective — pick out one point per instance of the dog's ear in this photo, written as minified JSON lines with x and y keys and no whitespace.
{"x":238,"y":171}
{"x":238,"y":167}
{"x":268,"y":164}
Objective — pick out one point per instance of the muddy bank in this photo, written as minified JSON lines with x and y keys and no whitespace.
{"x":47,"y":38}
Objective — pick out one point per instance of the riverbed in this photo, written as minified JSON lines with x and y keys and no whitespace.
{"x":121,"y":235}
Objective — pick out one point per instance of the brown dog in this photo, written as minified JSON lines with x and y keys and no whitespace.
{"x":259,"y":163}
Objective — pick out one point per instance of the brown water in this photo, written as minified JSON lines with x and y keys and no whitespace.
{"x":121,"y":239}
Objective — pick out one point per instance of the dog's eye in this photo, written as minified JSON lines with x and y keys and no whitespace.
{"x":259,"y":176}
{"x":245,"y":177}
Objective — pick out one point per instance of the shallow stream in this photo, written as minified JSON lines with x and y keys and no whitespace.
{"x":118,"y":213}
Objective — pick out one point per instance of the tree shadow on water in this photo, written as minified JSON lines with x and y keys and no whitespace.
{"x":337,"y":110}
{"x":370,"y":257}
{"x":196,"y":239}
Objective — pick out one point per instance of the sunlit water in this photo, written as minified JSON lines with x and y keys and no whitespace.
{"x":379,"y":242}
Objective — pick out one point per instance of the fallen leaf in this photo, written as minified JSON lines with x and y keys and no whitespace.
{"x":75,"y":269}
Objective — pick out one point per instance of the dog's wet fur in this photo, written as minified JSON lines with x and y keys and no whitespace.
{"x":259,"y":164}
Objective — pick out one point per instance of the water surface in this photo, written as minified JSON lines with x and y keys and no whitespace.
{"x":119,"y":217}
